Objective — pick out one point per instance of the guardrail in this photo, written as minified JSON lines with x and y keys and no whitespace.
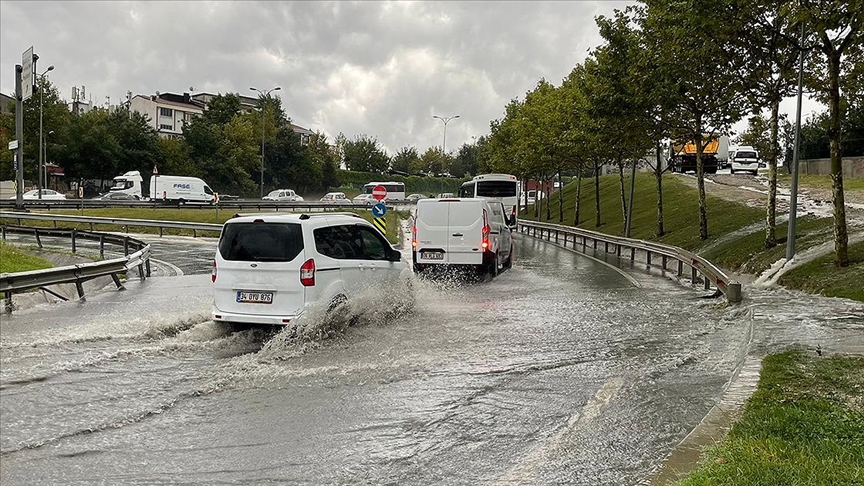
{"x":258,"y":205}
{"x":94,"y":220}
{"x":667,"y":254}
{"x":11,"y":283}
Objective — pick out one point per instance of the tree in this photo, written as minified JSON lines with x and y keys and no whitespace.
{"x":758,"y":135}
{"x":364,"y":154}
{"x":837,"y":26}
{"x":324,"y":155}
{"x":466,"y":161}
{"x":405,"y":159}
{"x":707,"y":92}
{"x":432,"y":162}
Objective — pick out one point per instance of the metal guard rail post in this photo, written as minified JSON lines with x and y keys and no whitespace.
{"x":710,"y":272}
{"x":11,"y":283}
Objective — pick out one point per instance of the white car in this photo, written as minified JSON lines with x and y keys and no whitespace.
{"x":283,"y":195}
{"x":462,"y":232}
{"x":47,"y":194}
{"x":365,"y":199}
{"x":335,"y":198}
{"x":745,"y":159}
{"x":271,"y":269}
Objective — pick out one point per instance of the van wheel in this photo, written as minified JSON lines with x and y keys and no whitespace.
{"x":338,"y":313}
{"x":492,"y":269}
{"x":732,"y":171}
{"x":508,"y":263}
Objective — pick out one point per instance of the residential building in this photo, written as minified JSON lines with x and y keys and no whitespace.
{"x":7,"y":104}
{"x":168,"y":112}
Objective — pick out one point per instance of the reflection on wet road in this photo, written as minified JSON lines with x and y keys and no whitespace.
{"x":558,"y":371}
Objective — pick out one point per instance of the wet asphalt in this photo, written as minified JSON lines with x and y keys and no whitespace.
{"x":561,"y":370}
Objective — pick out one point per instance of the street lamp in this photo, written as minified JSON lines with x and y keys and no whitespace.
{"x":41,"y":170}
{"x":446,"y":120}
{"x":263,"y":94}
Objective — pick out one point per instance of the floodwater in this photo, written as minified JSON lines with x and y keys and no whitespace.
{"x":561,"y":370}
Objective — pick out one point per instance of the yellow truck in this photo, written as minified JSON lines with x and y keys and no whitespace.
{"x":682,"y":156}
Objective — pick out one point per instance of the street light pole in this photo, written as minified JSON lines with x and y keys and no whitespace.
{"x":446,"y":120}
{"x":41,"y":170}
{"x":263,"y":94}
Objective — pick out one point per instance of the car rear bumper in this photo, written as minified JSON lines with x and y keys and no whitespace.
{"x":220,"y":316}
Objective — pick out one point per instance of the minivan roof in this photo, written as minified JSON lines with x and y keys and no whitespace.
{"x":292,"y":218}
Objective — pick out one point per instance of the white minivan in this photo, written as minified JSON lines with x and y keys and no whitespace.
{"x":461,"y":232}
{"x":180,"y":188}
{"x":269,"y":269}
{"x":744,"y":159}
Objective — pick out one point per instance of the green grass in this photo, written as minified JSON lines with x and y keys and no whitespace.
{"x":821,"y":276}
{"x":14,"y":260}
{"x":680,"y":211}
{"x":188,"y":215}
{"x":822,"y":182}
{"x":803,"y":426}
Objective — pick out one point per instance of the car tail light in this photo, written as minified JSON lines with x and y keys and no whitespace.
{"x":414,"y":237}
{"x":485,"y":231}
{"x":307,"y":273}
{"x":213,"y":272}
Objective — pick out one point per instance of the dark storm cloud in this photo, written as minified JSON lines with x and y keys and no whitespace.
{"x":381,"y":69}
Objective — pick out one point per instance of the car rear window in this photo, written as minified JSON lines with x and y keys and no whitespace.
{"x":745,"y":155}
{"x":261,"y":242}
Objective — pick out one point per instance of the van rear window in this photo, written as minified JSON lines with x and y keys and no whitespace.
{"x":745,"y":155}
{"x":261,"y":242}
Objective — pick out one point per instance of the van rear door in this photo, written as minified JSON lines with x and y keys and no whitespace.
{"x":465,"y":232}
{"x":431,"y":222}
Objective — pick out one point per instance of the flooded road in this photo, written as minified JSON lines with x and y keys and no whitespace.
{"x":561,"y":370}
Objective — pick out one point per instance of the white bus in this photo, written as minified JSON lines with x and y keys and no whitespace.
{"x":503,"y":188}
{"x":395,"y":190}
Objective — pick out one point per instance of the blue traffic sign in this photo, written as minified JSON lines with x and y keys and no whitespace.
{"x":379,"y":210}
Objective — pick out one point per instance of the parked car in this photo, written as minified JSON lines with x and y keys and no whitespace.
{"x":335,"y":198}
{"x":47,"y":194}
{"x":283,"y":195}
{"x":461,"y":232}
{"x":445,"y":195}
{"x":272,"y":269}
{"x":415,"y":197}
{"x":365,"y":199}
{"x":116,"y":196}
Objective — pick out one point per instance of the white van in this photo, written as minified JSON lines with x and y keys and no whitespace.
{"x":269,"y":269}
{"x":461,"y":232}
{"x":744,"y":159}
{"x":178,"y":188}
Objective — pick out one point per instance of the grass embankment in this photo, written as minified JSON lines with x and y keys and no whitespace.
{"x":14,"y":260}
{"x":821,"y":182}
{"x":208,"y":215}
{"x":804,"y":425}
{"x":728,"y":245}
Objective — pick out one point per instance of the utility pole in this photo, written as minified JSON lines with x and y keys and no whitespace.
{"x":19,"y":136}
{"x":793,"y":200}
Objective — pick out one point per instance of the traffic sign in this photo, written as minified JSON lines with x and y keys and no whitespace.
{"x":379,"y":210}
{"x":13,"y":145}
{"x":381,"y":224}
{"x":379,"y":192}
{"x":27,"y":74}
{"x":155,"y":170}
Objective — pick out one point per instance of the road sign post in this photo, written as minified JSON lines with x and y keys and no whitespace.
{"x":379,"y":192}
{"x":19,"y":136}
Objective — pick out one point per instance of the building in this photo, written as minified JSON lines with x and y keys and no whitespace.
{"x":7,"y":104}
{"x":168,"y":112}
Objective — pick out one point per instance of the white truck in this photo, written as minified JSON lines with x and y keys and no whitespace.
{"x":128,"y":183}
{"x":180,"y":189}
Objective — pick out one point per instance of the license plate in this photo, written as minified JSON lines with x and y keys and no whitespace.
{"x":255,"y":297}
{"x":431,"y":255}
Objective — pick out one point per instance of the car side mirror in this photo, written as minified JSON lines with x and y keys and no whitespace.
{"x":394,"y":256}
{"x":511,"y":220}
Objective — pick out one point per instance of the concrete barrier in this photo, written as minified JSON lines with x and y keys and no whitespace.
{"x":853,"y":167}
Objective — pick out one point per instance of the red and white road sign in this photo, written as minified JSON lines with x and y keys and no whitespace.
{"x":155,"y":170}
{"x":379,"y":192}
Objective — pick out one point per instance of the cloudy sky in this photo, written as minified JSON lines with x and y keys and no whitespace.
{"x":376,"y":68}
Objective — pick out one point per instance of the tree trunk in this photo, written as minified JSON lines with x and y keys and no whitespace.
{"x":560,"y":198}
{"x":771,"y":214}
{"x":841,"y":237}
{"x":621,"y":186}
{"x":525,"y":193}
{"x":537,"y":199}
{"x":548,"y":200}
{"x":597,"y":195}
{"x":700,"y":179}
{"x":578,"y":195}
{"x":658,"y":174}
